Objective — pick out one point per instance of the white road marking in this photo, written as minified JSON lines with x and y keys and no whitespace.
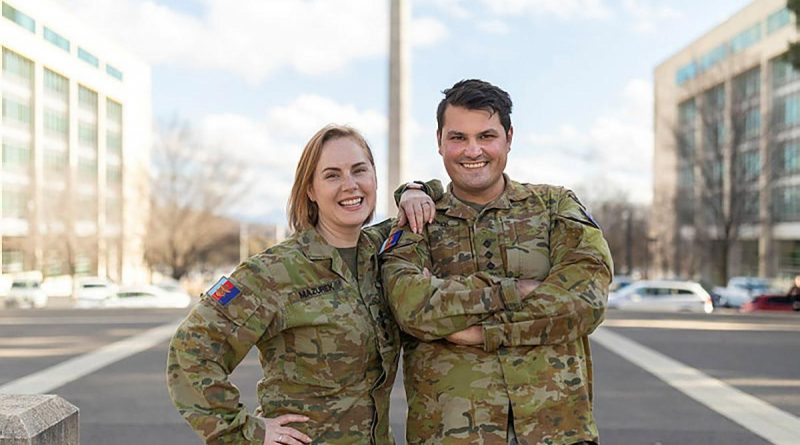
{"x":702,"y":325}
{"x":761,"y":418}
{"x":38,"y":321}
{"x":46,"y":380}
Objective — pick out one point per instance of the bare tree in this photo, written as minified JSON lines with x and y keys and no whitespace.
{"x":625,"y":226}
{"x":192,"y":187}
{"x":717,"y":138}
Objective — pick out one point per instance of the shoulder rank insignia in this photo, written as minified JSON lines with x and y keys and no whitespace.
{"x":224,"y":291}
{"x":390,"y":242}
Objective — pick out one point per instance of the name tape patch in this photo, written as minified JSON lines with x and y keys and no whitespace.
{"x":223,"y":291}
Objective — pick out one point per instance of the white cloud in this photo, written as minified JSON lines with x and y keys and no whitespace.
{"x":647,"y":16}
{"x":270,"y":147}
{"x":253,"y":39}
{"x":494,"y":26}
{"x":564,"y":9}
{"x":427,"y":31}
{"x":614,"y":153}
{"x":453,"y":8}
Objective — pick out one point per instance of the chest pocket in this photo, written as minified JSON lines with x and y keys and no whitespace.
{"x":450,"y":248}
{"x":526,"y":250}
{"x":326,"y":335}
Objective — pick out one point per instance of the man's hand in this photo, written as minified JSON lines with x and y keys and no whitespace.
{"x":416,"y":208}
{"x":472,"y":336}
{"x":525,"y":287}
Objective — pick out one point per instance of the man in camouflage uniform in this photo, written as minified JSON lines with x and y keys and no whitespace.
{"x":524,"y":268}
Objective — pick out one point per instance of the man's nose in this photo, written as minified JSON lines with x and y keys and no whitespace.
{"x":474,"y":148}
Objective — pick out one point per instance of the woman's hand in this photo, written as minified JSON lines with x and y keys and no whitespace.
{"x":277,"y":434}
{"x":416,"y":208}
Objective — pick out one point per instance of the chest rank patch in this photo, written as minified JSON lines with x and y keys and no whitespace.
{"x":390,"y":242}
{"x":319,"y":290}
{"x":224,"y":291}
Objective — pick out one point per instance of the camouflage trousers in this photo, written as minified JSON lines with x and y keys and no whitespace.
{"x":512,"y":433}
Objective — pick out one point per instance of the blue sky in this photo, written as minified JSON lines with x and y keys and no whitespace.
{"x":257,"y":78}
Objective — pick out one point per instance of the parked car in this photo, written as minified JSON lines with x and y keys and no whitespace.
{"x":148,"y":297}
{"x":26,"y":292}
{"x":94,"y":292}
{"x":740,"y":290}
{"x":620,"y":281}
{"x":662,"y":295}
{"x":768,"y":303}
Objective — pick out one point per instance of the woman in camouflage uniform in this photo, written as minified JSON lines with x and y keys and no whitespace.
{"x":313,"y":306}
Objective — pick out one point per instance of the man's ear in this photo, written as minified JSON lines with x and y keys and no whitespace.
{"x":439,"y":141}
{"x":510,"y":136}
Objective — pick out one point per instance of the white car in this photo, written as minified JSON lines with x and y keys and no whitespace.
{"x":148,"y":297}
{"x":26,"y":292}
{"x":94,"y":292}
{"x":668,"y":296}
{"x":741,"y":290}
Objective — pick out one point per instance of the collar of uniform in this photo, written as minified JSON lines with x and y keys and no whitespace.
{"x":316,"y":248}
{"x":514,"y":191}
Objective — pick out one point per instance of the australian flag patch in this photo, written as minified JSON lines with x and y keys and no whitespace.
{"x":224,"y":291}
{"x":390,"y":242}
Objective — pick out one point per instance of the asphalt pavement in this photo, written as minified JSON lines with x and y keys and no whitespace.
{"x":125,"y":401}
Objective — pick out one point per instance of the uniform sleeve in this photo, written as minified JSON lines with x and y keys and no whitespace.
{"x":206,"y":348}
{"x":571,"y":301}
{"x":431,"y":308}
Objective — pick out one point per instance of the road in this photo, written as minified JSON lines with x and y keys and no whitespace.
{"x":659,"y":378}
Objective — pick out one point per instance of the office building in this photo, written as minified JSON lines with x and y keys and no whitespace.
{"x":76,"y":137}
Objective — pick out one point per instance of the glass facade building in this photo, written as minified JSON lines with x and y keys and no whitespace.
{"x":75,"y":125}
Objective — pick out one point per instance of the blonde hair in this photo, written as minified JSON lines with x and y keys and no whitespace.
{"x":302,"y":211}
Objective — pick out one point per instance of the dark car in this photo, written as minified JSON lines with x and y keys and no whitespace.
{"x":769,"y":303}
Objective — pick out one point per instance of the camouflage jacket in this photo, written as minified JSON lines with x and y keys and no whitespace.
{"x":326,"y":340}
{"x":536,"y":353}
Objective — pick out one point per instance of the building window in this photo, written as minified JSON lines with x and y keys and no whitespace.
{"x":56,"y":39}
{"x":752,"y":124}
{"x":789,"y":157}
{"x":16,"y":156}
{"x":88,"y":57}
{"x":17,"y":67}
{"x":747,"y":85}
{"x":87,"y":99}
{"x":749,"y":165}
{"x":113,"y":111}
{"x":83,"y":263}
{"x":685,"y":73}
{"x":113,"y":72}
{"x":777,"y":20}
{"x":16,"y":111}
{"x":56,"y":123}
{"x":713,"y":57}
{"x":787,"y":110}
{"x":56,"y":84}
{"x":750,"y":206}
{"x":13,"y":261}
{"x":87,"y":134}
{"x":786,"y":203}
{"x":783,"y":72}
{"x":18,"y":17}
{"x":15,"y":202}
{"x":746,"y":38}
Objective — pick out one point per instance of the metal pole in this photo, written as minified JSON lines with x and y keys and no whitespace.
{"x":398,"y":96}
